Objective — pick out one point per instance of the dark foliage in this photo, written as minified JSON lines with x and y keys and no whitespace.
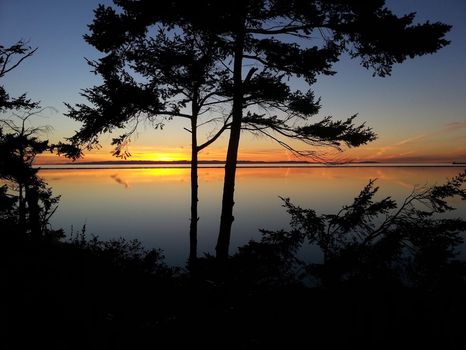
{"x":26,"y":203}
{"x":151,"y":77}
{"x":83,"y":293}
{"x":134,"y":31}
{"x":125,"y":255}
{"x":369,"y":240}
{"x":10,"y":58}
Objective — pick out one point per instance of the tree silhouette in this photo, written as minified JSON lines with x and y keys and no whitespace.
{"x":10,"y":58}
{"x":284,"y":39}
{"x":26,"y":201}
{"x":34,"y":201}
{"x":151,"y":74}
{"x":377,"y":240}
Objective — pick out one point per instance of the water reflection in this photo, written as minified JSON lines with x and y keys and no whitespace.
{"x":153,"y":204}
{"x":119,"y":180}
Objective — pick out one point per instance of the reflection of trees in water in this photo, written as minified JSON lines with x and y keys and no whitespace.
{"x":119,"y":180}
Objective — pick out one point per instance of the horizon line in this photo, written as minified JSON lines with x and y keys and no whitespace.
{"x":162,"y":162}
{"x":241,"y":164}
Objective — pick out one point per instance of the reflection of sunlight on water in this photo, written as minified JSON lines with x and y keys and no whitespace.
{"x":159,"y":172}
{"x":287,"y":172}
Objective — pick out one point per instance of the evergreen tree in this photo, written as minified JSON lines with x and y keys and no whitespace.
{"x":154,"y":76}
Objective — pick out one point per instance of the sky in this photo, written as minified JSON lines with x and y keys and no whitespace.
{"x":419,"y":112}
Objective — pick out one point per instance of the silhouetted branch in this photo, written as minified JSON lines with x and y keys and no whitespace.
{"x":284,"y":30}
{"x":215,"y":137}
{"x":7,"y":53}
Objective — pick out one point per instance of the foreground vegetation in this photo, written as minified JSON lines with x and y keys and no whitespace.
{"x":389,"y":277}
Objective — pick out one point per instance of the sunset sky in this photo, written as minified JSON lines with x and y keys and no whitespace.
{"x":419,"y":112}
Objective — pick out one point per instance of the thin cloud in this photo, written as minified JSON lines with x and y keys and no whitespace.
{"x":455,"y":125}
{"x":450,"y":127}
{"x":409,"y":140}
{"x":398,"y":150}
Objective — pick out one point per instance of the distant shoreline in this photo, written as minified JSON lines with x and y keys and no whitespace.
{"x":177,"y":162}
{"x":244,"y":162}
{"x":241,"y":164}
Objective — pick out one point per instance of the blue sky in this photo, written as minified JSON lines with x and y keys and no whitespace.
{"x":419,"y":112}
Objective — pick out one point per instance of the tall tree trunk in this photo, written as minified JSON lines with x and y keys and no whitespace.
{"x":194,"y":178}
{"x":194,"y":191}
{"x":226,"y":218}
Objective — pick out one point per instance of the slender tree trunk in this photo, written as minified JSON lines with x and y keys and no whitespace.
{"x":32,"y":198}
{"x":194,"y":180}
{"x":22,"y":194}
{"x":226,"y":218}
{"x":21,"y":209}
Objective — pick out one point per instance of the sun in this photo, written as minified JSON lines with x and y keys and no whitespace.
{"x":165,"y":154}
{"x":166,"y":157}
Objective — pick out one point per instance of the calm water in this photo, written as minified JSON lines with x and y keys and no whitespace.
{"x":152,"y":204}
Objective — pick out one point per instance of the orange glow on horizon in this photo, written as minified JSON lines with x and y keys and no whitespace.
{"x":434,"y":146}
{"x":344,"y":157}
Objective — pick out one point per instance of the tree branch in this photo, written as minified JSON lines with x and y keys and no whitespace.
{"x":284,"y":30}
{"x":5,"y":70}
{"x":215,"y":137}
{"x":249,"y":75}
{"x":257,"y":58}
